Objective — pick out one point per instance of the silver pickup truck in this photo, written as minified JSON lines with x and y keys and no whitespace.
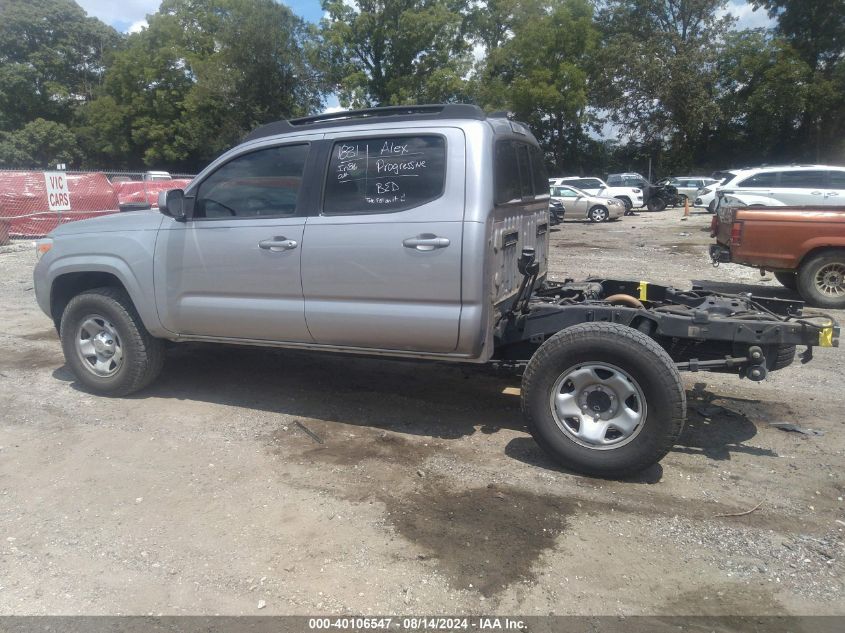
{"x":415,"y":232}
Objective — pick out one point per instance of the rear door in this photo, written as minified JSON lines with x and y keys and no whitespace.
{"x":835,"y":191}
{"x":381,"y":263}
{"x":802,"y":187}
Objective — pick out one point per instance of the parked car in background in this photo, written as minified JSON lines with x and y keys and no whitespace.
{"x":556,"y":212}
{"x":631,"y":197}
{"x":804,"y":246}
{"x":689,"y":186}
{"x":582,"y":205}
{"x":821,"y":185}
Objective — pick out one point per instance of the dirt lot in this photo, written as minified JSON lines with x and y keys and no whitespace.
{"x":204,"y":495}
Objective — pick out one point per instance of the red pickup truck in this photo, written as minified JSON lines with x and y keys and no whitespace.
{"x":803,"y":246}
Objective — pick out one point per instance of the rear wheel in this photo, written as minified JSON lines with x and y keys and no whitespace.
{"x":821,"y":280}
{"x":598,"y":214}
{"x":656,"y":204}
{"x":711,"y":208}
{"x":788,"y":280}
{"x":106,"y":345}
{"x":603,"y":399}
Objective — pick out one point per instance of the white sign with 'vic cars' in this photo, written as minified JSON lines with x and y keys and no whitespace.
{"x":58,"y":196}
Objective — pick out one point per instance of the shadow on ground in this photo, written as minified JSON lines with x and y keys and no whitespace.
{"x":436,"y":400}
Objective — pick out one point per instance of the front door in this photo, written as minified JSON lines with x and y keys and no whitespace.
{"x":381,"y":264}
{"x":233,"y":269}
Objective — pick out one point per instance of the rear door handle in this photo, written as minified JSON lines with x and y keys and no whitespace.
{"x":426,"y":242}
{"x":832,"y":193}
{"x":277,"y":244}
{"x":815,"y":193}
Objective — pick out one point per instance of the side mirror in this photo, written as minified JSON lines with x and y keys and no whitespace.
{"x":172,"y":203}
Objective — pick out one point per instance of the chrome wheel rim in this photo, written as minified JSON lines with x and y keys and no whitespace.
{"x":599,"y":215}
{"x":598,"y":406}
{"x":99,"y":346}
{"x":830,"y":280}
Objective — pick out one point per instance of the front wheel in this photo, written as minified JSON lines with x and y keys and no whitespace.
{"x":656,"y":204}
{"x":821,"y":280}
{"x":106,"y":345}
{"x":603,"y":399}
{"x":598,"y":214}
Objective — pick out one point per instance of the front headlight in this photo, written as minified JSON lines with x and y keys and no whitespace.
{"x":42,"y":246}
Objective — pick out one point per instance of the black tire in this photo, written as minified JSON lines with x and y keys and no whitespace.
{"x":784,"y":357}
{"x":143,"y":354}
{"x":632,"y":352}
{"x":788,"y":280}
{"x":711,"y":208}
{"x":656,"y":204}
{"x":821,"y":280}
{"x":627,"y":202}
{"x":598,"y":214}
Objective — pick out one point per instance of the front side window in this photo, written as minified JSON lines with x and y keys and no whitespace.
{"x":802,"y":179}
{"x":263,"y":183}
{"x":384,"y":174}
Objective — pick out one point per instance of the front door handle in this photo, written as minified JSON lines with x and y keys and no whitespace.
{"x":832,"y":193}
{"x":277,"y":244}
{"x":426,"y":242}
{"x":815,"y":193}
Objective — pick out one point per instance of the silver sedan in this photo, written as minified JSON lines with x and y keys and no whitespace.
{"x":579,"y":204}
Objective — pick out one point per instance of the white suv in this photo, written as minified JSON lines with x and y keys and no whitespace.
{"x":806,"y":185}
{"x":631,"y":197}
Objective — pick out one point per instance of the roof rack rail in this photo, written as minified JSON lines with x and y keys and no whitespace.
{"x":330,"y":119}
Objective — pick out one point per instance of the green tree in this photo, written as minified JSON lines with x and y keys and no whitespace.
{"x":200,"y":76}
{"x":39,"y":144}
{"x":815,"y":31}
{"x":816,"y":28}
{"x":389,"y":52}
{"x":660,"y":60}
{"x":51,"y":59}
{"x":538,"y":65}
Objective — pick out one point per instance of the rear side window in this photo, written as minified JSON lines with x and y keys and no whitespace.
{"x":260,"y":184}
{"x":802,"y":179}
{"x":538,"y":170}
{"x":837,"y":180}
{"x":767,"y":179}
{"x":584,"y":183}
{"x":519,"y":171}
{"x":384,"y":174}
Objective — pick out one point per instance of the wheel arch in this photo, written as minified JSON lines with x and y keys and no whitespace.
{"x":72,"y":278}
{"x":819,"y":250}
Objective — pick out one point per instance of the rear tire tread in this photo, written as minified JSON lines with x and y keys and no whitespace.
{"x":637,"y":343}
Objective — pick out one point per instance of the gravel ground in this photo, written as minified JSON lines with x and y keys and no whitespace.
{"x":205,"y":495}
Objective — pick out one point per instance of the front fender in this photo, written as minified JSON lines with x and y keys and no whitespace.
{"x":130,"y":260}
